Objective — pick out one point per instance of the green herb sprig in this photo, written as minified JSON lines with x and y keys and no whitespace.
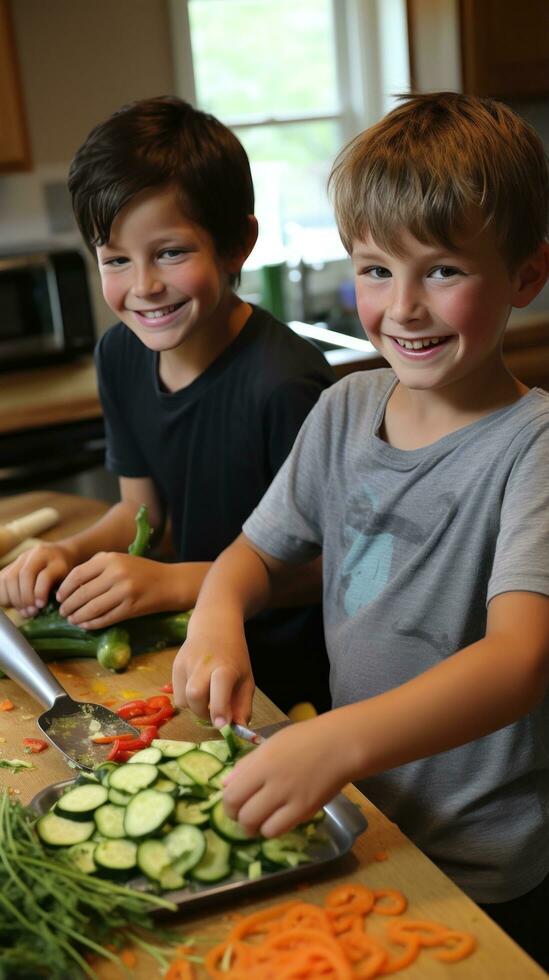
{"x":52,"y":914}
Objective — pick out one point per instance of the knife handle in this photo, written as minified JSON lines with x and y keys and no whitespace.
{"x":24,"y":666}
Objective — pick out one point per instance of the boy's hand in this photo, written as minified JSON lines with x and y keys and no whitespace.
{"x":212,"y":676}
{"x":113,"y":586}
{"x":27,"y":582}
{"x":289,"y":777}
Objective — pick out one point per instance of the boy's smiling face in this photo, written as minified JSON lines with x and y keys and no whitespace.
{"x":162,"y":276}
{"x":436,"y":314}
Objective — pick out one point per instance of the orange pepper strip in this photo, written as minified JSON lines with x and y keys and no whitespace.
{"x":398,"y":906}
{"x":303,"y":914}
{"x":366,"y":954}
{"x":465,"y":944}
{"x":242,"y":955}
{"x":181,"y":970}
{"x":128,"y":958}
{"x":397,"y":963}
{"x":314,"y":943}
{"x":428,"y":933}
{"x":259,"y":922}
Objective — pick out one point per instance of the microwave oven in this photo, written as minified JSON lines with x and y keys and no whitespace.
{"x":45,"y":307}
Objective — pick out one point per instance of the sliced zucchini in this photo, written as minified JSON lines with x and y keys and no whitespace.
{"x":216,"y":747}
{"x":217,"y":780}
{"x":109,"y":820}
{"x":225,"y":827}
{"x":190,"y":812}
{"x":211,"y":800}
{"x":150,"y":754}
{"x":243,"y":855}
{"x":200,"y":766}
{"x":59,"y":832}
{"x":287,"y":850}
{"x":104,"y":770}
{"x":119,"y":856}
{"x":133,"y":778}
{"x":216,"y":862}
{"x":153,"y":858}
{"x":231,"y":740}
{"x":170,"y":879}
{"x":118,"y":797}
{"x":163,"y":785}
{"x":171,"y":748}
{"x":80,"y":802}
{"x":147,"y":812}
{"x":171,"y":770}
{"x":81,"y":856}
{"x":186,"y":846}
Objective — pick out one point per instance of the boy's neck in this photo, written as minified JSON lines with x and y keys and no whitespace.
{"x":415,"y":418}
{"x":179,"y":367}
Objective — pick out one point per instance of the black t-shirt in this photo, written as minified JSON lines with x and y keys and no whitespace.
{"x":212,"y":449}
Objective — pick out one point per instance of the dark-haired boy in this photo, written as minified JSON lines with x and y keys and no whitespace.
{"x":203,"y":394}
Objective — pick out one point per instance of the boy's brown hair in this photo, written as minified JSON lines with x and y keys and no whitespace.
{"x":437,"y":164}
{"x":163,"y":142}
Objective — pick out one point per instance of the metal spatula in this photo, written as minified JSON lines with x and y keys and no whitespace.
{"x":67,"y":724}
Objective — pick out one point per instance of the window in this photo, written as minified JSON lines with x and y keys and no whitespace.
{"x":294,"y":81}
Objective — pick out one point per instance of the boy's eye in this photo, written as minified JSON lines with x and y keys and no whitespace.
{"x":445,"y":272}
{"x":172,"y":253}
{"x":376,"y":272}
{"x":116,"y":262}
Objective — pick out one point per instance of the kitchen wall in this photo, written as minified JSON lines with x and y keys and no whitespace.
{"x":79,"y":61}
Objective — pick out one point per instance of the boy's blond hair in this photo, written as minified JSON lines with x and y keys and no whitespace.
{"x":438,"y":165}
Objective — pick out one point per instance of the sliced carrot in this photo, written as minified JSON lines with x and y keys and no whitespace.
{"x":259,"y":922}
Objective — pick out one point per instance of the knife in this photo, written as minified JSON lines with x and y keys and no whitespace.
{"x":247,"y":734}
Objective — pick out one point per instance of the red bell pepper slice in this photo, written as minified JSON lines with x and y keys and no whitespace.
{"x":131,"y":708}
{"x":156,"y":702}
{"x":157,"y":718}
{"x":35,"y":744}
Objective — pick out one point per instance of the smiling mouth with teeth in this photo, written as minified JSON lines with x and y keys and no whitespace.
{"x":420,"y":343}
{"x":163,"y":311}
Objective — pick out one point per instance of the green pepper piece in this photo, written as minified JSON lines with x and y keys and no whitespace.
{"x":140,"y":544}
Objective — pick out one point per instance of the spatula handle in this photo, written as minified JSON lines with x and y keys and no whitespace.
{"x":24,"y":666}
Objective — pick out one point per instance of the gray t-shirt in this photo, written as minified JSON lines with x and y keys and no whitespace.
{"x":415,"y":543}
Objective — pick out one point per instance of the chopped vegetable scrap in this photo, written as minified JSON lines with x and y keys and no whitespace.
{"x":168,"y":688}
{"x":35,"y":744}
{"x":6,"y":705}
{"x":299,"y":939}
{"x":15,"y":765}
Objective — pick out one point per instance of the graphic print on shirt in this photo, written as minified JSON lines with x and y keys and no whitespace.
{"x":370,"y":537}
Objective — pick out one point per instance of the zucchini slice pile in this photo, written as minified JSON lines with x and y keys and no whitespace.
{"x":161,"y":815}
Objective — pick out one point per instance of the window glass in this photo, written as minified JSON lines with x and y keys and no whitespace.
{"x":251,"y":56}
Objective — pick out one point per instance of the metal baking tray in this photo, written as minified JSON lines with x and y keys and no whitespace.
{"x":343,"y":823}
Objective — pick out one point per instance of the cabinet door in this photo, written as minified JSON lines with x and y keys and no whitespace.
{"x":505,"y":47}
{"x":14,"y":146}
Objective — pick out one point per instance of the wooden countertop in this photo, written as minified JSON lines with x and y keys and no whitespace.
{"x":49,"y":396}
{"x":430,"y":893}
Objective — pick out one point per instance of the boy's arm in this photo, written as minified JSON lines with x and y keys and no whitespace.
{"x":478,"y":690}
{"x":212,"y":674}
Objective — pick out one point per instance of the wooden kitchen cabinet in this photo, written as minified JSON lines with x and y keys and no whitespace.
{"x":505,"y":48}
{"x":14,"y":143}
